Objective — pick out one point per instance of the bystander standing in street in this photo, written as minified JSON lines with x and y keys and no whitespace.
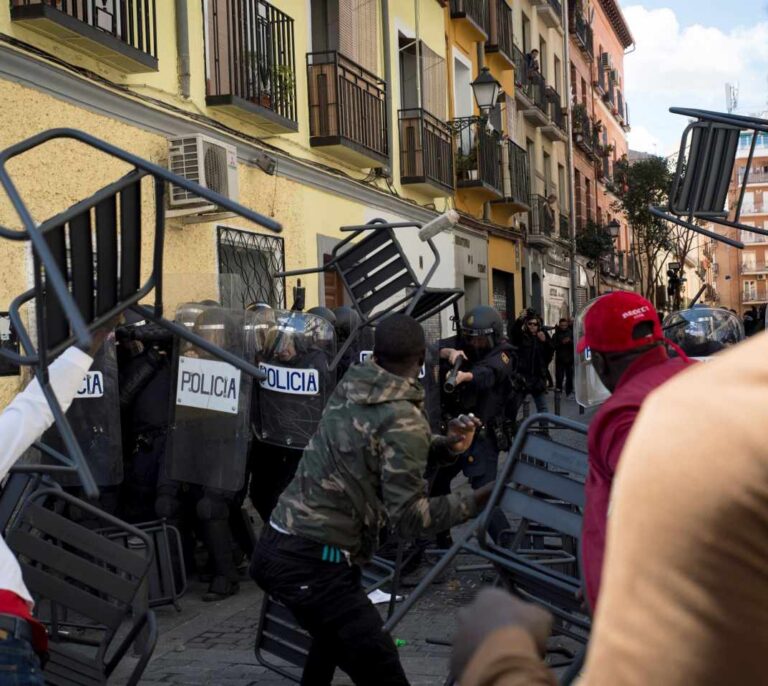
{"x":562,"y":340}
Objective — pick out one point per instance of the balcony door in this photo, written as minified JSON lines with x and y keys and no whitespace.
{"x":349,"y":27}
{"x":462,"y":99}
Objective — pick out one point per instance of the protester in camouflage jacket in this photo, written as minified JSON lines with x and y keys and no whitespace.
{"x":363,"y":469}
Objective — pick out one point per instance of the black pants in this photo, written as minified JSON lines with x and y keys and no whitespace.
{"x":272,"y":469}
{"x":329,"y":602}
{"x":564,"y":370}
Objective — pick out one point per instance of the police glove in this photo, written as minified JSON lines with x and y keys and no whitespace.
{"x":494,"y":609}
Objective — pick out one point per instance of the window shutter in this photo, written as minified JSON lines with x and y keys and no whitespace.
{"x":434,"y":84}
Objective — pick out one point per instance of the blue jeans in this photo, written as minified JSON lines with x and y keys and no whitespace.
{"x":19,"y":665}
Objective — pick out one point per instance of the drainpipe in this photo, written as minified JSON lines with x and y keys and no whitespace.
{"x":388,"y":78}
{"x":419,"y":100}
{"x":569,"y":156}
{"x":182,"y":46}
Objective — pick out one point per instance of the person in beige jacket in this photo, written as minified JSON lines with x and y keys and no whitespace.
{"x":684,"y":599}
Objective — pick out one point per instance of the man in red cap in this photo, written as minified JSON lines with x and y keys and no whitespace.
{"x":624,"y":337}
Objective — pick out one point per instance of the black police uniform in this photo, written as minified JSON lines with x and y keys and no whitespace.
{"x":487,"y":397}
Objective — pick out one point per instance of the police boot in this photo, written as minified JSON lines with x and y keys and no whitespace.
{"x":213,"y":512}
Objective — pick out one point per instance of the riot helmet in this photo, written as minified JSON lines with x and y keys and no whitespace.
{"x":215,"y":326}
{"x":323,"y":312}
{"x":703,"y":331}
{"x":347,"y":320}
{"x":482,"y":329}
{"x":285,"y":340}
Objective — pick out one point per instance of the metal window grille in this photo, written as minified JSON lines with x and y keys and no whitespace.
{"x":256,"y":258}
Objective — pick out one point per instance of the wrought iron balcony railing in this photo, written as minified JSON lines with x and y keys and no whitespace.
{"x":583,"y":32}
{"x":516,"y":174}
{"x":756,"y":268}
{"x":475,"y":10}
{"x":425,"y":149}
{"x":499,"y":29}
{"x":130,"y":25}
{"x":347,"y":104}
{"x":754,"y":177}
{"x":252,"y":57}
{"x":478,"y":154}
{"x":531,"y":83}
{"x":555,"y":108}
{"x":541,"y":218}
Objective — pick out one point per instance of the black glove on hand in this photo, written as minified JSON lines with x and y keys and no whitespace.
{"x":492,"y":610}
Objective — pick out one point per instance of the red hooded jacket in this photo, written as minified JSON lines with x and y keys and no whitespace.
{"x":607,"y":434}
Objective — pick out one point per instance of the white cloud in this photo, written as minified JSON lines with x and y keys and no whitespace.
{"x":688,"y":66}
{"x":643,"y":140}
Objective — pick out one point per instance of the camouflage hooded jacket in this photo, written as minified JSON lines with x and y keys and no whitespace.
{"x":363,"y":469}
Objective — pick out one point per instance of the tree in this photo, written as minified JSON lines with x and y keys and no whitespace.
{"x":594,"y":243}
{"x":637,"y":186}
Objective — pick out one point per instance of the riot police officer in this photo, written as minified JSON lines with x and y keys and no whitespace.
{"x":347,"y":321}
{"x":483,"y":385}
{"x":208,"y":442}
{"x":287,"y":405}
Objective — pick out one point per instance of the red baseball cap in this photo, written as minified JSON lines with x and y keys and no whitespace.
{"x":610,"y":322}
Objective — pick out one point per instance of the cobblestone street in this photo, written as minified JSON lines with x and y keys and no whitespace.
{"x":212,"y":643}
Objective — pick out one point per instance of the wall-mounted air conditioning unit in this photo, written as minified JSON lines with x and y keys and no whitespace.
{"x":206,"y":161}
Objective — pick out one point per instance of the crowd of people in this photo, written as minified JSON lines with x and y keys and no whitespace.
{"x":673,"y":554}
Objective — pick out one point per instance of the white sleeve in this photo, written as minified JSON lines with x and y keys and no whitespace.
{"x":28,"y":415}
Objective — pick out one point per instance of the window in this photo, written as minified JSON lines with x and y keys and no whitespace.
{"x":750,"y":291}
{"x":256,"y":259}
{"x":748,"y":261}
{"x":526,"y":34}
{"x":543,"y":58}
{"x":558,"y":76}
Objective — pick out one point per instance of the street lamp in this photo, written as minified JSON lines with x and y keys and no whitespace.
{"x":486,"y":90}
{"x":613,"y":228}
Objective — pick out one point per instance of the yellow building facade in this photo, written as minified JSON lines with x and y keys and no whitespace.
{"x":322,"y":102}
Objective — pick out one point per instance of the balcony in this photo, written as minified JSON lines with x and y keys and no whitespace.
{"x":347,"y":110}
{"x":754,"y":209}
{"x":516,"y":178}
{"x":603,"y":69}
{"x":582,"y":33}
{"x":530,"y":91}
{"x":584,"y":132}
{"x":426,"y":157}
{"x":471,"y":14}
{"x":541,"y":222}
{"x":499,"y":30}
{"x":252,"y":73}
{"x":478,"y":159}
{"x":755,"y":177}
{"x":555,"y":128}
{"x":756,"y":268}
{"x":121,"y":34}
{"x":550,"y":12}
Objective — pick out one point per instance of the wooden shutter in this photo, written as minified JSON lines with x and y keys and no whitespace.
{"x":358,"y":32}
{"x":434,"y":83}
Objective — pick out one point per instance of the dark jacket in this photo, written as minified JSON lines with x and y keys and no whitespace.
{"x":562,"y":342}
{"x":486,"y":396}
{"x":533,"y":357}
{"x":363,"y":468}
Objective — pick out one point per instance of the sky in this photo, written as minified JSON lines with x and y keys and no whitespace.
{"x":686,"y":51}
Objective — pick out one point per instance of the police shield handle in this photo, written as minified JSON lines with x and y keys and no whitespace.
{"x":438,"y":224}
{"x":451,"y":380}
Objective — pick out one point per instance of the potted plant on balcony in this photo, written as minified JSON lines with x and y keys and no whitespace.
{"x":284,"y":82}
{"x":466,"y":165}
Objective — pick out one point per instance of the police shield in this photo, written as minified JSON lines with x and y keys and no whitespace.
{"x":296,"y":357}
{"x":590,"y":391}
{"x":94,"y":416}
{"x":208,"y":437}
{"x":703,"y":331}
